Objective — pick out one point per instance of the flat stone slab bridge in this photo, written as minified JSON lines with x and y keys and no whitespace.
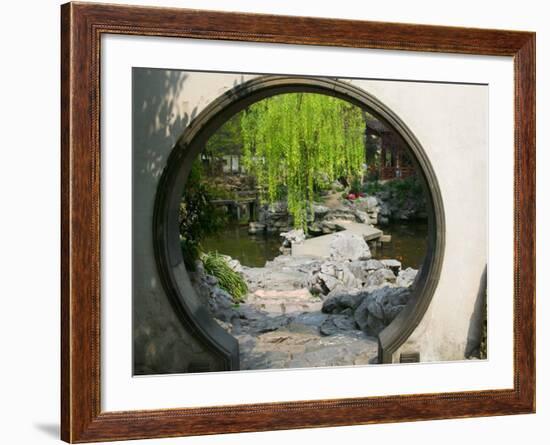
{"x":319,"y":246}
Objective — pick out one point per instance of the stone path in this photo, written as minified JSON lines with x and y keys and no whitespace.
{"x":280,"y":302}
{"x":272,"y":340}
{"x":300,"y":346}
{"x":282,"y":326}
{"x":311,"y":312}
{"x":319,"y":247}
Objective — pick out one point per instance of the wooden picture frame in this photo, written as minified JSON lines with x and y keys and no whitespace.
{"x":82,"y":26}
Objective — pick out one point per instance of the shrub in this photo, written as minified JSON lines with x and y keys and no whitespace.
{"x":198,"y":217}
{"x":399,"y":189}
{"x":229,"y":280}
{"x":372,"y":187}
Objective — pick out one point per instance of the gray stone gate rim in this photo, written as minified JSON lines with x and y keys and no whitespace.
{"x":169,"y":259}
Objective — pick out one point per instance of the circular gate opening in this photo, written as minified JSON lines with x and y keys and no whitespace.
{"x":167,"y":218}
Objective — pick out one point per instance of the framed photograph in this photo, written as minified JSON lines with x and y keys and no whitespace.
{"x":274,"y":222}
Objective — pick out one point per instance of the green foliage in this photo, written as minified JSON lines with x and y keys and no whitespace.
{"x":372,"y":187}
{"x":356,"y":185}
{"x":399,"y":189}
{"x":229,"y":280}
{"x":197,"y":217}
{"x":216,"y":191}
{"x":227,"y":139}
{"x":292,"y":140}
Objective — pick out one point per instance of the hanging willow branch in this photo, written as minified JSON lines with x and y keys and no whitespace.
{"x":291,"y":142}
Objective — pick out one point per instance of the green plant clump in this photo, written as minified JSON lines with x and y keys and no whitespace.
{"x":229,"y":280}
{"x":293,"y":142}
{"x":399,"y":189}
{"x":198,"y":217}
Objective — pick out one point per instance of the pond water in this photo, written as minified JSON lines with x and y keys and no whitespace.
{"x":250,"y":250}
{"x":408,"y":244}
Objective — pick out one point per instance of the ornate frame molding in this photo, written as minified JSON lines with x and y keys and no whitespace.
{"x":81,"y":27}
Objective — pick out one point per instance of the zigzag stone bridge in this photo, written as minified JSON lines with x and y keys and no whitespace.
{"x":319,"y":246}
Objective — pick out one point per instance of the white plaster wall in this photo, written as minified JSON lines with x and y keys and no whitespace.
{"x":450,"y":121}
{"x":164,"y":103}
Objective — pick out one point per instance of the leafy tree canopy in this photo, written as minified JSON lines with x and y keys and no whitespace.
{"x":227,"y":140}
{"x":293,"y":142}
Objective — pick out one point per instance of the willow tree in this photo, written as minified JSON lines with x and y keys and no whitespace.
{"x":292,"y":142}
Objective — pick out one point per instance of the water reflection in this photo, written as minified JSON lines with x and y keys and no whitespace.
{"x":250,"y":250}
{"x":408,"y":244}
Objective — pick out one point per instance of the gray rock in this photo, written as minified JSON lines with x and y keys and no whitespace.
{"x":233,"y":263}
{"x":394,"y":265}
{"x":374,"y":306}
{"x":328,"y":281}
{"x":226,"y":326}
{"x":328,"y":268}
{"x":384,"y":210}
{"x":278,"y":207}
{"x":210,"y":280}
{"x":361,"y":204}
{"x":380,"y":307}
{"x":269,"y":324}
{"x":349,"y":247}
{"x":331,"y":275}
{"x":247,"y":312}
{"x":373,"y":265}
{"x":347,"y":311}
{"x":394,"y":303}
{"x":341,"y":299}
{"x":284,"y":272}
{"x":315,"y":229}
{"x":371,"y":202}
{"x":320,"y":211}
{"x":379,"y":277}
{"x":346,"y":277}
{"x":329,"y":227}
{"x":335,"y":324}
{"x":374,"y":325}
{"x":361,"y":268}
{"x":357,"y":268}
{"x":316,"y":287}
{"x":310,"y":319}
{"x":406,"y":277}
{"x":255,"y":228}
{"x":285,"y":250}
{"x":398,"y":206}
{"x":295,"y":236}
{"x":362,"y":217}
{"x":361,"y":317}
{"x":222,"y":306}
{"x":255,"y":277}
{"x":350,"y":300}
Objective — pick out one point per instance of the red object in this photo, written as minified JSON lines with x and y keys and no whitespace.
{"x":351,"y":196}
